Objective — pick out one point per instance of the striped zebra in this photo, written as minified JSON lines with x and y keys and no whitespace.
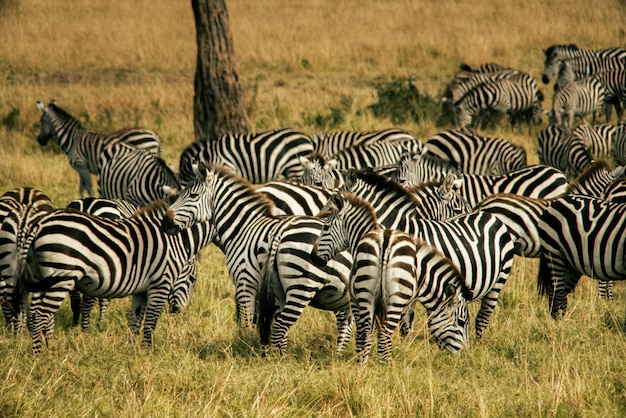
{"x":318,"y":171}
{"x":258,"y":157}
{"x":594,"y":180}
{"x":134,"y":175}
{"x":248,"y":233}
{"x":417,"y":168}
{"x":598,"y":138}
{"x":19,"y":209}
{"x":557,"y":148}
{"x":517,"y":97}
{"x":474,"y":154}
{"x":376,"y":155}
{"x":479,"y":244}
{"x":576,"y":98}
{"x":538,"y":181}
{"x":615,"y":192}
{"x":580,"y":235}
{"x":391,"y":271}
{"x":103,"y":258}
{"x":589,"y":61}
{"x":83,"y":147}
{"x":619,"y":144}
{"x":329,"y":144}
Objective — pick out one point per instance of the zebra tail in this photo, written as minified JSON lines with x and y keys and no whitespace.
{"x":267,"y":296}
{"x":544,"y":278}
{"x":382,"y":297}
{"x":24,"y":277}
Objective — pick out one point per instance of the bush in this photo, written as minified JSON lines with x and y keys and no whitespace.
{"x":399,"y":100}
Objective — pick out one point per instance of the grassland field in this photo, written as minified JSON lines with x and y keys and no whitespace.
{"x":310,"y":65}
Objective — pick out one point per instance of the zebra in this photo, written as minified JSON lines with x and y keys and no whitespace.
{"x":619,"y":144}
{"x":589,"y":61}
{"x":479,"y":244}
{"x":83,"y":147}
{"x":559,"y":149}
{"x":376,"y":155}
{"x":317,"y":171}
{"x":19,"y":209}
{"x":392,"y":270}
{"x":598,"y":138}
{"x":257,"y":157}
{"x":575,"y":97}
{"x":594,"y":180}
{"x":249,"y":233}
{"x":538,"y":181}
{"x":580,"y":235}
{"x":103,"y":258}
{"x":329,"y":144}
{"x":134,"y":175}
{"x":416,"y":168}
{"x":517,"y":97}
{"x":474,"y":154}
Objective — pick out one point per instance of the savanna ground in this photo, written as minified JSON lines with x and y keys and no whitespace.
{"x":310,"y":65}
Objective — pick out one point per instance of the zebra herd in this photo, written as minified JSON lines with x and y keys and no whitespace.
{"x":363,"y":224}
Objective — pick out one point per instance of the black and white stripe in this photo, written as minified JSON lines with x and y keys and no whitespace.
{"x":83,"y":147}
{"x":331,"y":143}
{"x":391,"y":271}
{"x":257,"y":157}
{"x":103,"y":258}
{"x":474,"y":154}
{"x":598,"y":138}
{"x":376,"y":155}
{"x":134,"y":175}
{"x":556,"y":147}
{"x":588,"y":62}
{"x":594,"y":180}
{"x":291,"y":198}
{"x":580,"y":235}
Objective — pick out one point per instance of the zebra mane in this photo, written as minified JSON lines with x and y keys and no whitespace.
{"x":552,"y":48}
{"x":588,"y":173}
{"x":226,"y":173}
{"x":358,"y":202}
{"x":317,"y":157}
{"x":62,"y":114}
{"x":157,"y":207}
{"x":378,"y":181}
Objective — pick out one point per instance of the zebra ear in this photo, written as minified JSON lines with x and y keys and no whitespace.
{"x":332,"y":164}
{"x":350,"y":178}
{"x":199,"y":169}
{"x":305,"y":162}
{"x":618,"y":171}
{"x":449,"y":290}
{"x":336,"y":200}
{"x":170,"y":191}
{"x":41,"y":107}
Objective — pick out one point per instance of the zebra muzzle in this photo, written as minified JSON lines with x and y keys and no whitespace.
{"x":168,"y":225}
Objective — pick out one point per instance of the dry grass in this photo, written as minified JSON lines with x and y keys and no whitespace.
{"x":115,"y":64}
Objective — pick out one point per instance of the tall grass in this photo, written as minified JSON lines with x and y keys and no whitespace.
{"x":307,"y":65}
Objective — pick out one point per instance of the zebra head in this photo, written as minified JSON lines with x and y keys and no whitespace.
{"x":183,"y":287}
{"x":193,"y":204}
{"x":452,"y":202}
{"x":449,"y":322}
{"x":47,"y":127}
{"x":321,"y":173}
{"x":333,"y":237}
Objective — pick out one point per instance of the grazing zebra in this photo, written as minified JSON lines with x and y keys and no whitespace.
{"x":83,"y":147}
{"x":19,"y":209}
{"x":391,"y":271}
{"x":580,"y":235}
{"x":317,"y":171}
{"x":474,"y":154}
{"x":575,"y":98}
{"x":329,"y":144}
{"x":257,"y":157}
{"x":598,"y":139}
{"x":248,"y":233}
{"x":594,"y":180}
{"x":134,"y":175}
{"x":557,"y":148}
{"x":417,"y":168}
{"x":291,"y":198}
{"x":478,"y":243}
{"x":538,"y":181}
{"x":103,"y":258}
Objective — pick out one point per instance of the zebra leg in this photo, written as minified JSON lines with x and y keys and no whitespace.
{"x":76,"y":300}
{"x":395,"y":306}
{"x":294,"y":306}
{"x":364,"y":317}
{"x":85,"y":309}
{"x":385,"y":345}
{"x":85,"y":180}
{"x":40,"y":319}
{"x":137,"y":311}
{"x":487,"y":306}
{"x":605,"y":289}
{"x":344,"y":326}
{"x":104,"y":307}
{"x":406,"y":325}
{"x":156,"y":302}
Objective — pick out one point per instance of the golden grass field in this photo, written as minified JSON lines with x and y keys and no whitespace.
{"x":119,"y":64}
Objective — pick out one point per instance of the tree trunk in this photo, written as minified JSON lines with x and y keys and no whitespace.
{"x":218,"y":107}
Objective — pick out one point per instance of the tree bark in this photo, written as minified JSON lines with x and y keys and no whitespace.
{"x":218,"y":107}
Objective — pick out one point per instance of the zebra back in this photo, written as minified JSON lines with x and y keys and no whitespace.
{"x":594,"y":180}
{"x":291,"y":198}
{"x":378,"y":154}
{"x":329,"y":144}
